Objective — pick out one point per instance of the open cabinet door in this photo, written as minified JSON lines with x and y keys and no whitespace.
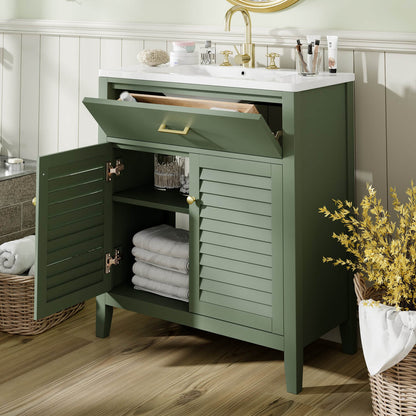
{"x":73,"y":227}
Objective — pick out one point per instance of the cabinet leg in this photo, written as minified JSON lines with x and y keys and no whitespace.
{"x":104,"y":315}
{"x":294,"y":370}
{"x":348,"y":329}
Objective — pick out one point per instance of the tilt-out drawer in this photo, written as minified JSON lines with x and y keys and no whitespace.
{"x":194,"y":123}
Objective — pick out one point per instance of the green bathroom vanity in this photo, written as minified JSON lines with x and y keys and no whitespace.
{"x":256,"y":238}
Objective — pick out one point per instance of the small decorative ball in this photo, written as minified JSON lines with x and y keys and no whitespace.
{"x":153,"y":57}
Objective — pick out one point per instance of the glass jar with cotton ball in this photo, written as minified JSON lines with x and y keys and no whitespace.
{"x":168,"y":170}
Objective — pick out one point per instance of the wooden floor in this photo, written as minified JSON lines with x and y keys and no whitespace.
{"x":151,"y":367}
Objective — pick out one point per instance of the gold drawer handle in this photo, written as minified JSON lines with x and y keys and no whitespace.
{"x":190,"y":199}
{"x":34,"y":201}
{"x":163,"y":129}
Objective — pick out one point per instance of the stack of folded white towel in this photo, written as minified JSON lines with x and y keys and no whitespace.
{"x":18,"y":256}
{"x":162,"y":261}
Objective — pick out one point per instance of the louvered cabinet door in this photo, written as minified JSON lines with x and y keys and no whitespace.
{"x":73,"y":227}
{"x":236,"y":241}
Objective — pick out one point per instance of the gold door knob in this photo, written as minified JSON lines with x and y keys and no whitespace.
{"x":34,"y":201}
{"x":190,"y":199}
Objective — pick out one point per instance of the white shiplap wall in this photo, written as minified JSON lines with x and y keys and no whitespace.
{"x":47,"y":69}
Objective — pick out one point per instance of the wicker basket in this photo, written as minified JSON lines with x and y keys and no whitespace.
{"x":393,"y":392}
{"x":17,"y":307}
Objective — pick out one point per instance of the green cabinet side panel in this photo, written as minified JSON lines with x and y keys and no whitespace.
{"x":73,"y":227}
{"x":317,"y":181}
{"x":219,"y":130}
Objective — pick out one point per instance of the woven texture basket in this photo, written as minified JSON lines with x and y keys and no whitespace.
{"x":393,"y":392}
{"x":17,"y":307}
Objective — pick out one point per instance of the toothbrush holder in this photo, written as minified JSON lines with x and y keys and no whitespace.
{"x":308,"y":65}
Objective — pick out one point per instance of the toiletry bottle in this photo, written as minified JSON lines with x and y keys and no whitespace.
{"x":207,"y":54}
{"x":332,"y":54}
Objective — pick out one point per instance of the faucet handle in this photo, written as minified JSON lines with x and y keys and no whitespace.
{"x":245,"y":57}
{"x":273,"y":56}
{"x":241,"y":58}
{"x":226,"y":58}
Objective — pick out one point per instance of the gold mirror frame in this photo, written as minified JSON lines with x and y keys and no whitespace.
{"x":269,"y":6}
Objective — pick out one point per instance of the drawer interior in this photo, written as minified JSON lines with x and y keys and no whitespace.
{"x":195,"y":103}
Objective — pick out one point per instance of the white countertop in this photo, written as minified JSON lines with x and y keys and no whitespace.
{"x":238,"y":77}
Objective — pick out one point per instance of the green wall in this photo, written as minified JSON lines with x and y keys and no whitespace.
{"x":8,"y":9}
{"x":363,"y":15}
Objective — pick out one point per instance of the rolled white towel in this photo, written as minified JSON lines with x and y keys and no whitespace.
{"x":158,"y":274}
{"x":164,"y":239}
{"x":179,"y":293}
{"x":17,"y":256}
{"x":161,"y":260}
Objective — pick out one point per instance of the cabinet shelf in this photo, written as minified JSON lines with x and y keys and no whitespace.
{"x":127,"y":292}
{"x":170,"y":200}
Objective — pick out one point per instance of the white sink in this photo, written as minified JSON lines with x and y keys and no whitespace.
{"x":234,"y":72}
{"x":229,"y":76}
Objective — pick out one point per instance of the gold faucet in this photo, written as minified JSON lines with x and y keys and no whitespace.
{"x":247,"y":55}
